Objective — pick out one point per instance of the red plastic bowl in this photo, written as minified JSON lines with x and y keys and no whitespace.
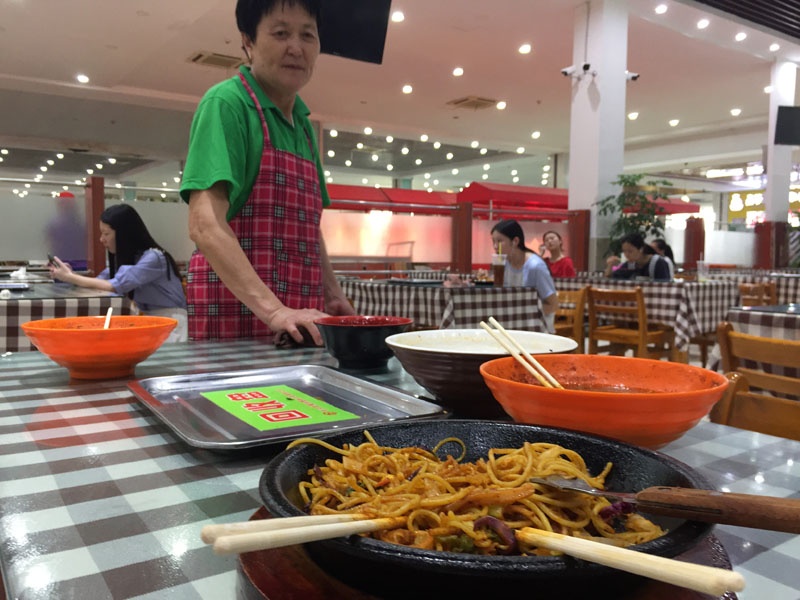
{"x":359,"y":341}
{"x":90,"y":352}
{"x":640,"y":401}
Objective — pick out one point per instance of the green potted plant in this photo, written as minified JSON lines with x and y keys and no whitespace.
{"x":635,"y":209}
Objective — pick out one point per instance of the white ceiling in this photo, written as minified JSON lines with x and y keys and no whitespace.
{"x":143,"y":90}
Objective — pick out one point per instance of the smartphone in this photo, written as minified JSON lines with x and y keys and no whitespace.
{"x":51,"y":260}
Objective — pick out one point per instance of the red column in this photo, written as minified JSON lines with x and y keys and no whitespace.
{"x":772,"y":245}
{"x":95,"y":204}
{"x":578,"y":227}
{"x":461,"y":239}
{"x":694,"y":242}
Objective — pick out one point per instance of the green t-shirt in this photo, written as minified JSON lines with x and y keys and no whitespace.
{"x":226,"y":140}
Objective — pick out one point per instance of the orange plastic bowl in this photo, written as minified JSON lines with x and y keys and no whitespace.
{"x":640,"y":401}
{"x":90,"y":352}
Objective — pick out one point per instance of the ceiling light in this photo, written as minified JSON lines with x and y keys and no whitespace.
{"x":514,"y":171}
{"x":735,"y":112}
{"x":163,"y":184}
{"x":437,"y":145}
{"x":3,"y":151}
{"x":329,"y":180}
{"x":389,"y":139}
{"x":703,"y":23}
{"x":418,"y":161}
{"x":51,"y":162}
{"x":389,"y":167}
{"x":375,"y":158}
{"x":454,"y":171}
{"x":501,"y":105}
{"x":78,"y":182}
{"x":487,"y":166}
{"x":423,"y":137}
{"x":474,"y":144}
{"x":661,"y":9}
{"x":546,"y":168}
{"x":632,"y":116}
{"x":331,"y":153}
{"x":116,"y":185}
{"x":774,"y":47}
{"x":685,"y":198}
{"x":82,"y":78}
{"x":768,"y":89}
{"x":544,"y":182}
{"x":1,"y":159}
{"x":404,"y":150}
{"x":43,"y":169}
{"x":112,"y":161}
{"x":458,"y":72}
{"x":545,"y":175}
{"x":427,"y":176}
{"x":348,"y":162}
{"x":90,"y":171}
{"x":367,"y":130}
{"x":536,"y":135}
{"x":674,"y":122}
{"x":407,"y":89}
{"x":98,"y":165}
{"x":525,"y":49}
{"x":435,"y":182}
{"x":521,"y":150}
{"x":365,"y":181}
{"x":360,"y":146}
{"x":333,"y":133}
{"x":176,"y":179}
{"x":426,"y":184}
{"x":484,"y":150}
{"x":59,"y":156}
{"x":430,"y":189}
{"x":449,"y":156}
{"x":741,"y":36}
{"x":398,"y":16}
{"x":485,"y":176}
{"x":327,"y":173}
{"x":515,"y":179}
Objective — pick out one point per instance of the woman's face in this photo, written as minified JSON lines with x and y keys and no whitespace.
{"x":631,"y":252}
{"x":285,"y":50}
{"x":108,"y":237}
{"x":501,"y":243}
{"x":552,"y":241}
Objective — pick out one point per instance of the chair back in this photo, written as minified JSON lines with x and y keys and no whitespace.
{"x":758,"y":294}
{"x":619,"y":305}
{"x":569,"y":314}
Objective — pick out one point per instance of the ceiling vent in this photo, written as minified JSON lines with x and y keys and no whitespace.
{"x":212,"y":59}
{"x":472,"y":102}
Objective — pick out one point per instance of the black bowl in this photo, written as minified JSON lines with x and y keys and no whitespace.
{"x":393,"y":570}
{"x":359,"y":342}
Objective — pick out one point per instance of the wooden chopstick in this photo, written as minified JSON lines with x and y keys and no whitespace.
{"x":710,"y":580}
{"x":306,"y":531}
{"x":507,"y":341}
{"x":210,"y":533}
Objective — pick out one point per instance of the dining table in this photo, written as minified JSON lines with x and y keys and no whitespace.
{"x":691,"y":308}
{"x":100,"y":498}
{"x":432,"y":305}
{"x":50,"y":300}
{"x":787,"y":283}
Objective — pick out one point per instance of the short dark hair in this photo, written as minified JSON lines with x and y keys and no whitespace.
{"x":250,"y":12}
{"x":634,"y":239}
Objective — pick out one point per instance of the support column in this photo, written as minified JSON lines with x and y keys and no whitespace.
{"x":95,"y":204}
{"x":597,"y":120}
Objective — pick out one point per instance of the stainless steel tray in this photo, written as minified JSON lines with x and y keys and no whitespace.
{"x":241,"y":409}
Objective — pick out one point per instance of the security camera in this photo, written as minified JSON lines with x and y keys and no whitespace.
{"x":568,"y":71}
{"x":586,"y":67}
{"x":631,"y":76}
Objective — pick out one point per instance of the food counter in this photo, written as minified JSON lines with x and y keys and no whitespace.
{"x":99,"y":499}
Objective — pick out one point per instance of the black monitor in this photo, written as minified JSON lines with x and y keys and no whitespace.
{"x":787,"y":126}
{"x":354,"y":28}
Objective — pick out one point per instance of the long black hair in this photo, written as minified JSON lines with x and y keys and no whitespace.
{"x":664,"y":247}
{"x":132,"y":239}
{"x":512,"y":229}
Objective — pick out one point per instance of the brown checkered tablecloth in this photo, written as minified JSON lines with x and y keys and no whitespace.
{"x":65,"y":302}
{"x":787,"y":285}
{"x":690,"y":307}
{"x":447,"y":308}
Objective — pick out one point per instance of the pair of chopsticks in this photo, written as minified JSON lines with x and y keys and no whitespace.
{"x":249,"y":536}
{"x":507,"y":341}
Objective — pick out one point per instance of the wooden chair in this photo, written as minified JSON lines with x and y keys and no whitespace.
{"x":569,"y":315}
{"x":630,"y":328}
{"x":757,"y":400}
{"x":758,"y":294}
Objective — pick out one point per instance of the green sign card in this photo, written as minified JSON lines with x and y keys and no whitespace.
{"x":276,"y":407}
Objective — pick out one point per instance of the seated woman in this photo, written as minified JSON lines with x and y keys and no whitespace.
{"x":525,"y":268}
{"x":642,"y":261}
{"x":664,"y":250}
{"x":137,"y":266}
{"x":560,"y":264}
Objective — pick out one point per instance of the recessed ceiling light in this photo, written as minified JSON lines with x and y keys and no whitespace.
{"x":82,"y":78}
{"x":360,"y":146}
{"x":418,"y":161}
{"x":330,"y":180}
{"x":398,"y":16}
{"x":331,"y":153}
{"x":3,"y":151}
{"x":112,"y":161}
{"x":389,"y":139}
{"x":774,"y":47}
{"x":51,"y":162}
{"x":375,"y":158}
{"x":674,"y":122}
{"x":514,"y":172}
{"x":176,"y":179}
{"x":525,"y":49}
{"x":474,"y":144}
{"x":515,"y":179}
{"x":741,"y":36}
{"x":348,"y":162}
{"x":487,"y":166}
{"x":521,"y":150}
{"x":484,"y":150}
{"x":435,"y":182}
{"x":327,"y":173}
{"x":389,"y":167}
{"x":407,"y":89}
{"x":333,"y":133}
{"x":735,"y":112}
{"x":43,"y":169}
{"x":485,"y":176}
{"x":449,"y":156}
{"x":59,"y":156}
{"x":423,"y":137}
{"x":768,"y":89}
{"x":90,"y":171}
{"x":454,"y":171}
{"x":536,"y":135}
{"x":426,"y":184}
{"x":404,"y":150}
{"x":437,"y":144}
{"x":458,"y":72}
{"x":703,"y":23}
{"x":632,"y":116}
{"x":98,"y":165}
{"x":367,"y":130}
{"x":546,"y":168}
{"x":427,"y":176}
{"x":661,"y":9}
{"x":501,"y":105}
{"x":365,"y":181}
{"x":430,"y":189}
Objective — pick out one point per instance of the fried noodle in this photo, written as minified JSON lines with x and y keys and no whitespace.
{"x":466,"y":506}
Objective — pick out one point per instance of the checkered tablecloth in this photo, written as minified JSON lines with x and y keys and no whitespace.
{"x":50,"y":301}
{"x":448,"y":308}
{"x":99,"y":500}
{"x":690,"y":307}
{"x":787,"y":285}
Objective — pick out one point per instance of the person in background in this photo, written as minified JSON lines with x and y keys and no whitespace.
{"x":256,"y":188}
{"x":525,"y":268}
{"x":560,"y":264}
{"x":664,"y":250}
{"x":641,"y":261}
{"x":137,"y":266}
{"x":66,"y":232}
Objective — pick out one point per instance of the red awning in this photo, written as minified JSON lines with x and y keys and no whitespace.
{"x":355,"y":192}
{"x":514,"y":196}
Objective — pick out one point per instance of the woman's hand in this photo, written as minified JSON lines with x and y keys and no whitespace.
{"x":611,"y":262}
{"x":60,"y":270}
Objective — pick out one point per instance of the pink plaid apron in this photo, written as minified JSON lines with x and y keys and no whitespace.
{"x":278,"y":229}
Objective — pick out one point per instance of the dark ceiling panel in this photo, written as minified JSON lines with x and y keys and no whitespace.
{"x":779,"y":15}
